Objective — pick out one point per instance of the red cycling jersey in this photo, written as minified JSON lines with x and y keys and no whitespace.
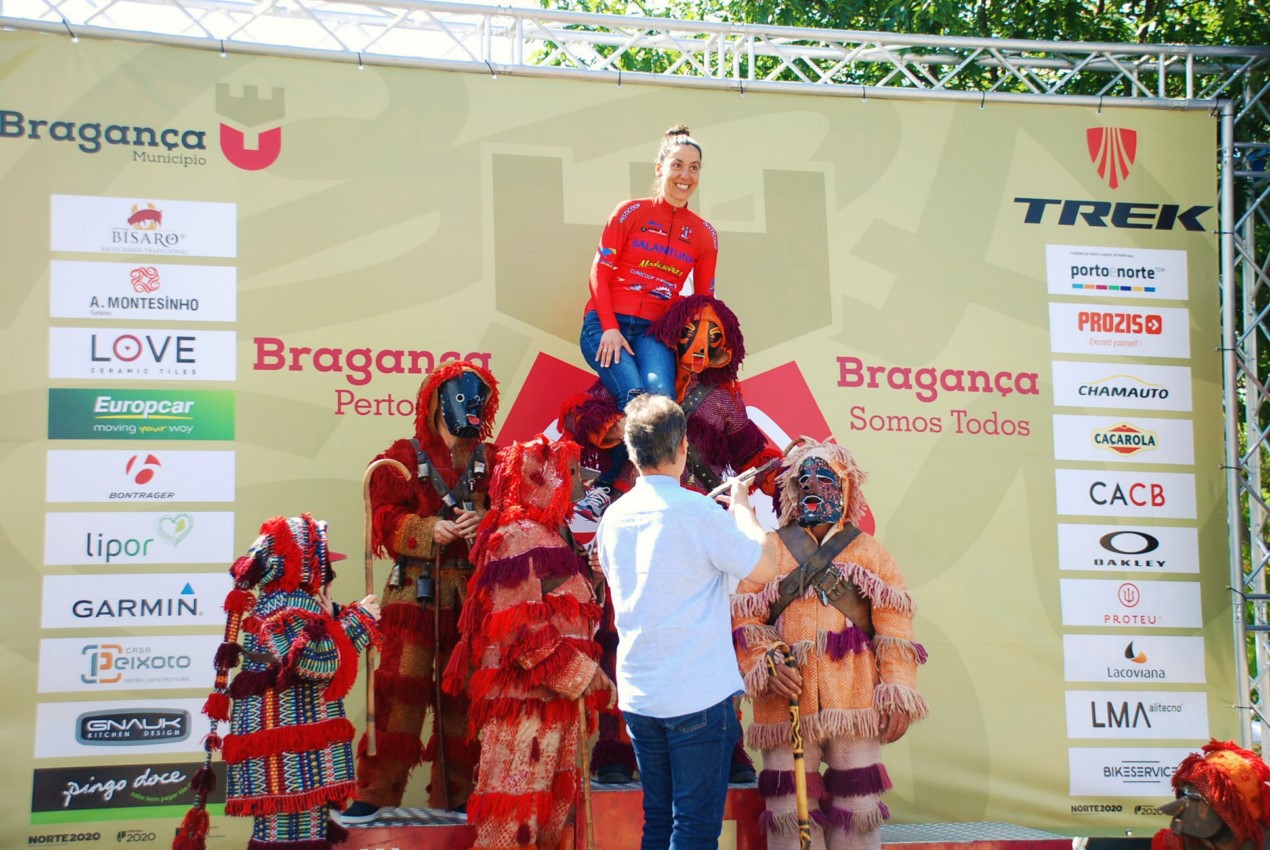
{"x":646,"y":252}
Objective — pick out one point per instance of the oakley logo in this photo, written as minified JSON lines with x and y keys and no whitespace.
{"x":1129,"y":542}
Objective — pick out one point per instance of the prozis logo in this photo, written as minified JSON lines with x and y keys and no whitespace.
{"x":1125,"y":439}
{"x":1111,"y":322}
{"x":253,"y":112}
{"x":1112,"y":150}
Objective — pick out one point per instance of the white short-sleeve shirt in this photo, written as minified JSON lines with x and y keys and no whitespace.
{"x":668,"y":554}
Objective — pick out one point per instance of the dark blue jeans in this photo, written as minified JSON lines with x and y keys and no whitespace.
{"x":683,"y":766}
{"x":651,"y":370}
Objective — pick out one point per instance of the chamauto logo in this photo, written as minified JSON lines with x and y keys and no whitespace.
{"x":1112,"y":150}
{"x":144,"y":279}
{"x":256,"y":113}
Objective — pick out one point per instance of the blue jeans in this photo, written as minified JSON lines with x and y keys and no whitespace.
{"x":651,"y":370}
{"x":683,"y":766}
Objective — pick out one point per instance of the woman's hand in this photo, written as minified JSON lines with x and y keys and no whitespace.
{"x":611,"y":345}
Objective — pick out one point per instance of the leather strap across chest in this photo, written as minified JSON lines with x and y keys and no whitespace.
{"x":816,"y":570}
{"x":458,"y":497}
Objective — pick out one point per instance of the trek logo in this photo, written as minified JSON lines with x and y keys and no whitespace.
{"x":1112,"y":150}
{"x":1121,"y":214}
{"x":252,"y":111}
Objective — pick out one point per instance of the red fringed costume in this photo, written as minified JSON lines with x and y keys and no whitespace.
{"x":1223,"y":801}
{"x":289,"y":749}
{"x":405,"y":514}
{"x":527,"y":630}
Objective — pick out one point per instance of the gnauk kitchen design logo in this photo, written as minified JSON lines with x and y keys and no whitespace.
{"x":181,"y":147}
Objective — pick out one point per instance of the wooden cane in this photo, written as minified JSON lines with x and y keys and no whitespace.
{"x":584,"y":775}
{"x":796,"y":737}
{"x":369,"y":555}
{"x":755,"y":472}
{"x":439,"y":728}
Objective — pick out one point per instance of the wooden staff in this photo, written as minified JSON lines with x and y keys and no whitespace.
{"x":754,"y":472}
{"x":369,"y":555}
{"x":436,"y":679}
{"x":796,"y":736}
{"x":584,"y":774}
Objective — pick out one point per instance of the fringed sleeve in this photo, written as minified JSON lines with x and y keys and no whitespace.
{"x":393,"y":500}
{"x":752,"y":637}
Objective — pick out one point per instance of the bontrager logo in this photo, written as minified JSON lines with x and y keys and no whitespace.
{"x":1112,"y":150}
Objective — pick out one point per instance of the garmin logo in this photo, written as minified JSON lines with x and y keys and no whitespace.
{"x":136,"y":727}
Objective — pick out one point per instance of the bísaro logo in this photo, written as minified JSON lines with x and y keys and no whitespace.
{"x":179,"y":147}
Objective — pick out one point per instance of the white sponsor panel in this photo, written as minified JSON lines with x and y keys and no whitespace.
{"x":1128,"y":548}
{"x":1116,"y":272}
{"x":1119,"y":330}
{"x":1137,"y":714}
{"x":1121,"y":385}
{"x":129,"y":354}
{"x":100,"y":225}
{"x":1138,"y":658}
{"x":96,"y":664}
{"x":1124,"y":439}
{"x":1116,"y":493}
{"x":1123,"y":771}
{"x":124,"y":539}
{"x":142,"y":476}
{"x":110,"y":729}
{"x":1136,"y":604}
{"x":151,"y":291}
{"x":134,"y":599}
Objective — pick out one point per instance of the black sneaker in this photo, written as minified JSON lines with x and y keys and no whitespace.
{"x":741,"y":774}
{"x":613,"y":774}
{"x":357,"y":813}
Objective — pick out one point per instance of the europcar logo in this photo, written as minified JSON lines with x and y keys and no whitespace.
{"x":1112,"y":150}
{"x":121,"y":414}
{"x":252,"y":111}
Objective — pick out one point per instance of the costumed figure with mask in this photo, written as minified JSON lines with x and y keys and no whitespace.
{"x":722,"y":441}
{"x":839,"y":606}
{"x":1223,"y":801}
{"x":289,"y":747}
{"x":425,"y":525}
{"x":527,"y":629}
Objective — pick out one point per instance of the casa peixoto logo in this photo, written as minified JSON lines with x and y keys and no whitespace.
{"x":1125,"y":439}
{"x":1112,"y":150}
{"x":254,"y":149}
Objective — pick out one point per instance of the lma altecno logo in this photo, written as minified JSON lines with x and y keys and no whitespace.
{"x":259,"y":115}
{"x":1112,"y":150}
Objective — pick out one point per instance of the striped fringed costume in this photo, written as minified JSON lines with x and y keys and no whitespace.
{"x":528,"y":626}
{"x":404,"y":514}
{"x":850,"y":681}
{"x":289,"y":747}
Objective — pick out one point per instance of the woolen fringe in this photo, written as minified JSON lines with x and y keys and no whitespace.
{"x":893,"y":697}
{"x":780,"y":783}
{"x":786,"y":823}
{"x":287,"y":739}
{"x":857,"y":782}
{"x":899,"y":649}
{"x":823,"y":725}
{"x":333,"y":795}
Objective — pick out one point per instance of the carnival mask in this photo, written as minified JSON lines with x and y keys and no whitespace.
{"x":822,"y":497}
{"x":1192,"y":815}
{"x":703,"y":344}
{"x":463,"y":404}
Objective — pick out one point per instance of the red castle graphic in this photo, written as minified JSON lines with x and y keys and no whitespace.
{"x":1112,"y":150}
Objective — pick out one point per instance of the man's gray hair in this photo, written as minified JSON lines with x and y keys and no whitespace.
{"x":655,"y":426}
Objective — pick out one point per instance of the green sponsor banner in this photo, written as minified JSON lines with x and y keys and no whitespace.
{"x":125,"y":414}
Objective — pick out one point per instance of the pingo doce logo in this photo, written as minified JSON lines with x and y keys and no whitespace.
{"x":181,"y":147}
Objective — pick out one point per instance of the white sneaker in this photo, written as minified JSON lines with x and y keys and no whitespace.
{"x":593,"y":505}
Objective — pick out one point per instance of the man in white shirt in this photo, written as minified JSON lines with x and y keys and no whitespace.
{"x":667,"y":554}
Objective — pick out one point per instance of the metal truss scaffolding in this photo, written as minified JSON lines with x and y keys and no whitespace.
{"x":1233,"y":82}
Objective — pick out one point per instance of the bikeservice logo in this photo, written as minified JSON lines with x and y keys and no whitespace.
{"x":137,"y":599}
{"x":1112,"y":150}
{"x":88,"y":290}
{"x":1142,"y":772}
{"x":143,"y":355}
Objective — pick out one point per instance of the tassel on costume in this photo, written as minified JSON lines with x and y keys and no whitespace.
{"x":193,"y":832}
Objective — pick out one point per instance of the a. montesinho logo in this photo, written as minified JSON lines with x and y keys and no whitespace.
{"x":144,"y":279}
{"x":1112,"y":150}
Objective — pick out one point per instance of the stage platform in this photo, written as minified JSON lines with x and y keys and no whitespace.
{"x":618,"y":819}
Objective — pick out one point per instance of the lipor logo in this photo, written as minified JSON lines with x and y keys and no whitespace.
{"x":1112,"y":150}
{"x":144,"y":279}
{"x":252,"y":111}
